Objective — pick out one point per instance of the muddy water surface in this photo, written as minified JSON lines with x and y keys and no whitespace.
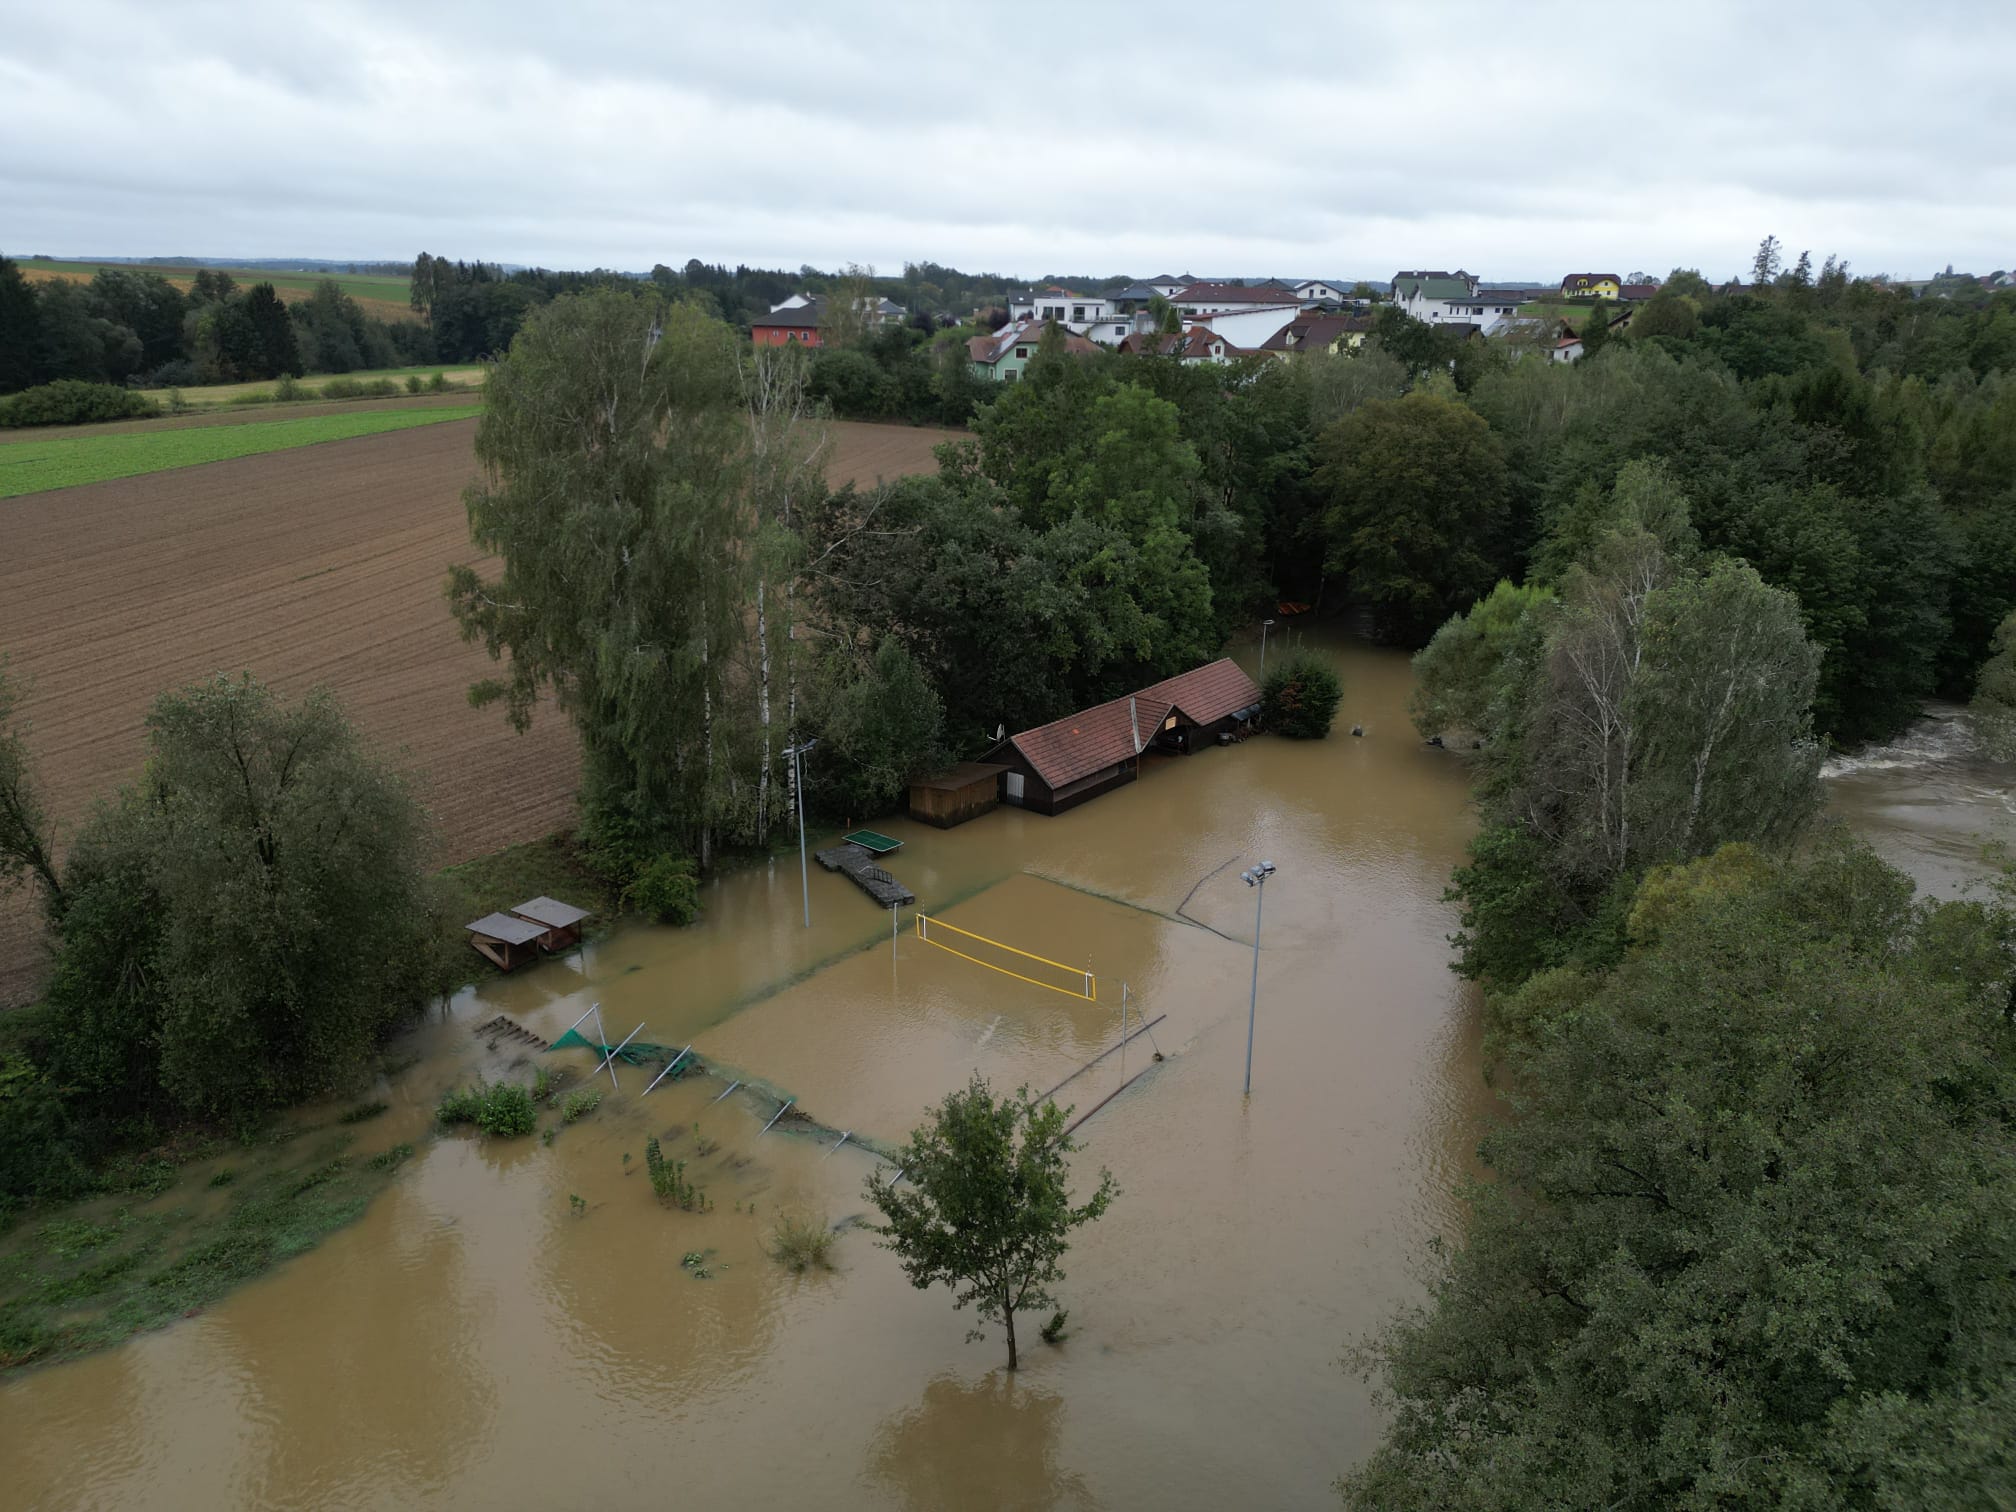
{"x":1930,"y":802}
{"x":474,"y":1341}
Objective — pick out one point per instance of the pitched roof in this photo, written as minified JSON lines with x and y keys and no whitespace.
{"x":991,"y":349}
{"x":1315,"y":331}
{"x":1193,"y":345}
{"x":1232,"y":293}
{"x":1431,"y":286}
{"x":1207,"y":694}
{"x":805,"y":315}
{"x":1637,"y":291}
{"x":1091,"y":740}
{"x":1584,"y":280}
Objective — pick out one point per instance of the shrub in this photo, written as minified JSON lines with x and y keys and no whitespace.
{"x":359,"y":388}
{"x":71,"y":401}
{"x":1300,"y":697}
{"x":413,"y":383}
{"x":799,"y":1243}
{"x":459,"y":1105}
{"x":667,"y":889}
{"x":290,"y":389}
{"x":579,"y":1105}
{"x":364,"y":1112}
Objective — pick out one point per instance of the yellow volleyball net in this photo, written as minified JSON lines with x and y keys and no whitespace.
{"x":1023,"y":965}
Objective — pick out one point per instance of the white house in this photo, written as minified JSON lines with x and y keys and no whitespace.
{"x":1093,"y":316}
{"x":1436,"y":298}
{"x":1249,"y":328}
{"x":1321,"y":291}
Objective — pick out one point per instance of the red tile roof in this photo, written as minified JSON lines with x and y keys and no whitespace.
{"x":1206,"y":694}
{"x":1221,"y":293}
{"x":1090,"y":740}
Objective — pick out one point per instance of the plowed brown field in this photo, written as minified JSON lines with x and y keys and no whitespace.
{"x":318,"y":565}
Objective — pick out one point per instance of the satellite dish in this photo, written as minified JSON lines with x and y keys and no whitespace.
{"x":1000,"y":732}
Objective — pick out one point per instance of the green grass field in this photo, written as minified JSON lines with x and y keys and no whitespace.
{"x":65,"y":462}
{"x":356,"y":285}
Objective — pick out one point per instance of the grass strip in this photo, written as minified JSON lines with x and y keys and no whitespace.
{"x":70,"y":1283}
{"x":28,"y":467}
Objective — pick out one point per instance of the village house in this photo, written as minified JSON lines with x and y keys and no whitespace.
{"x":1197,"y":343}
{"x":1319,"y":333}
{"x":798,"y":319}
{"x":1433,"y":297}
{"x":1098,"y":317}
{"x":1591,"y":286}
{"x":1006,"y":355}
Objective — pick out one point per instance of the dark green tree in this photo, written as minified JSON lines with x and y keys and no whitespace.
{"x":20,"y":329}
{"x":1417,"y":509}
{"x":1300,"y":696}
{"x":274,"y":328}
{"x":1741,"y":1247}
{"x":213,"y":936}
{"x":985,"y":1207}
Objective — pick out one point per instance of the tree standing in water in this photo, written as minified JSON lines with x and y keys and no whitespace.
{"x":985,"y":1207}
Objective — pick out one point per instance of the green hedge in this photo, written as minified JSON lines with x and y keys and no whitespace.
{"x":70,"y":401}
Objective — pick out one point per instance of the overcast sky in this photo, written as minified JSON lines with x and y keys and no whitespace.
{"x":1518,"y":141}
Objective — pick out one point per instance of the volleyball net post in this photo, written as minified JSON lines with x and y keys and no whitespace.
{"x":1072,"y":981}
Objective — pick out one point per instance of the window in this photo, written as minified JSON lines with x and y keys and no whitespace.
{"x":1023,"y":353}
{"x":1077,"y":312}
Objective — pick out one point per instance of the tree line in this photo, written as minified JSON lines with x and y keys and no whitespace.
{"x":128,"y":326}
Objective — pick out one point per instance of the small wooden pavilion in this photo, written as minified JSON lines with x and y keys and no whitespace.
{"x":505,"y":941}
{"x":951,"y":797}
{"x":561,"y":921}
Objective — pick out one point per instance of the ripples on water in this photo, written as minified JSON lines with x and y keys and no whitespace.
{"x":1931,"y":802}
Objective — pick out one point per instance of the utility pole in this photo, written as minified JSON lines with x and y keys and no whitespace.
{"x":1263,"y":645}
{"x":797,"y":753}
{"x":1256,"y":878}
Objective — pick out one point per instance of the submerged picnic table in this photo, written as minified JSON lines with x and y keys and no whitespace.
{"x":855,"y":856}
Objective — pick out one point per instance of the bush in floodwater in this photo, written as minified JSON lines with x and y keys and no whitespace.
{"x":507,"y":1111}
{"x":668,"y":1180}
{"x":504,"y":1109}
{"x":667,"y":889}
{"x":579,"y":1105}
{"x":1054,"y":1331}
{"x":799,"y":1243}
{"x":364,"y":1112}
{"x":1300,"y":697}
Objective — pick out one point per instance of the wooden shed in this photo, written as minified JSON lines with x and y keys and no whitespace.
{"x":1204,"y":704}
{"x":561,"y":921}
{"x":951,"y":797}
{"x":1060,"y":765}
{"x":506,"y":942}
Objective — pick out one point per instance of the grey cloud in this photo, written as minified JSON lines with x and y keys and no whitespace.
{"x":1025,"y":138}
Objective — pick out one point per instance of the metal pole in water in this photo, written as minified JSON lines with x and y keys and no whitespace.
{"x":670,"y":1067}
{"x":577,"y":1023}
{"x":731,"y":1087}
{"x":1255,"y":878}
{"x":842,"y":1140}
{"x":797,"y":754}
{"x":775,"y":1116}
{"x":609,"y":1060}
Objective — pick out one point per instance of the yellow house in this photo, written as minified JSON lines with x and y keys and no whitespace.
{"x":1591,"y":286}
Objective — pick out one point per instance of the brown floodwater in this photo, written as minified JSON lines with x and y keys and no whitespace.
{"x":1931,"y":802}
{"x":474,"y":1341}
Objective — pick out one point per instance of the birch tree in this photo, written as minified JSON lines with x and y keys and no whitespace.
{"x":613,"y":467}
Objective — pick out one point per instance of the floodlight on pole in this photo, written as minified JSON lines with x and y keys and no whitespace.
{"x":1255,"y":878}
{"x":796,"y":753}
{"x":1264,"y":624}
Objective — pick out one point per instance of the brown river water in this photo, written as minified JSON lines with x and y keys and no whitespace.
{"x":473,"y":1342}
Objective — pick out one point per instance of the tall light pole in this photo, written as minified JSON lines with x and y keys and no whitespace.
{"x":1256,"y":879}
{"x":1263,"y":645}
{"x":797,"y":753}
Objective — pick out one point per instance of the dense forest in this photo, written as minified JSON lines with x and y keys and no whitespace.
{"x":129,"y":326}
